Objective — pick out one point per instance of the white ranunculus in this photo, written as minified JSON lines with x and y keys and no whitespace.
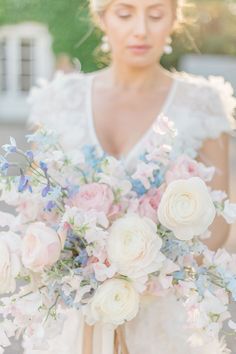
{"x":186,"y":208}
{"x":114,"y":302}
{"x":229,"y":212}
{"x":9,"y":261}
{"x":134,"y":246}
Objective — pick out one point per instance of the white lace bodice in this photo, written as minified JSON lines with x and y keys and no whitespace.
{"x":200,"y":108}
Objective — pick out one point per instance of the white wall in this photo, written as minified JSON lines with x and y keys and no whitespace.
{"x":220,"y":65}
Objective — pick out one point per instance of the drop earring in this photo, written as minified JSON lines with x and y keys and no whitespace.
{"x":168,"y":48}
{"x":105,"y":46}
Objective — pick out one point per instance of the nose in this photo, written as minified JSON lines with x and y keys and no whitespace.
{"x":141,"y":26}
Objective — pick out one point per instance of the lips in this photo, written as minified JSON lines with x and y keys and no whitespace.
{"x":139,"y":49}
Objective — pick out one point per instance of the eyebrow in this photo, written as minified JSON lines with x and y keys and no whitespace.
{"x":130,"y":5}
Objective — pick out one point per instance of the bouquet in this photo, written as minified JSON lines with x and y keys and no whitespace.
{"x":91,"y":235}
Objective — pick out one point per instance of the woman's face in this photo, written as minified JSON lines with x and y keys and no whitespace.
{"x":137,"y":29}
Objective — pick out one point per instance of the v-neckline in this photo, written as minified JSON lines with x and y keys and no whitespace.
{"x":144,"y":137}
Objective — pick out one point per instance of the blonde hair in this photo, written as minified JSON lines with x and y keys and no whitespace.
{"x":98,"y":7}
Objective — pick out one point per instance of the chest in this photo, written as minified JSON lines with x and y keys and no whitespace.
{"x":121,"y":120}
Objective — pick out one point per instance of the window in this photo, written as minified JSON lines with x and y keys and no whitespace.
{"x":25,"y":56}
{"x":3,"y":62}
{"x":27,"y":64}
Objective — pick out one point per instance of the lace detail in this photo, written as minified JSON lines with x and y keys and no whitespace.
{"x":202,"y":109}
{"x":60,"y":105}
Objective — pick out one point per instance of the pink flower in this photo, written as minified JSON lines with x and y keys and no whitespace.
{"x":103,"y":271}
{"x":41,"y":247}
{"x":62,"y":233}
{"x":94,"y":196}
{"x":148,"y":204}
{"x":184,"y":167}
{"x":164,"y":126}
{"x":144,"y":173}
{"x":115,"y":211}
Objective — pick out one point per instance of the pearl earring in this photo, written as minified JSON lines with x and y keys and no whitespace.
{"x":105,"y":46}
{"x":168,"y":49}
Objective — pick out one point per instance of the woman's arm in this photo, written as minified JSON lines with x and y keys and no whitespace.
{"x":216,"y":153}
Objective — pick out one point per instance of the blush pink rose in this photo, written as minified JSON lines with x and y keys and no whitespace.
{"x":148,"y":204}
{"x":94,"y":196}
{"x":185,"y":167}
{"x":115,"y":211}
{"x":41,"y":247}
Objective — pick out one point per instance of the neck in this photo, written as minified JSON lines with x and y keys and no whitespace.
{"x":135,"y":78}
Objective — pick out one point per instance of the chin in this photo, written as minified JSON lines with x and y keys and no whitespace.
{"x":141,"y":62}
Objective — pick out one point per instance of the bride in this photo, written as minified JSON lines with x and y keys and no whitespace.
{"x":115,"y":108}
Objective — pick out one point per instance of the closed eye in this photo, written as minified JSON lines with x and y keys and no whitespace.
{"x":156,"y":17}
{"x":124,"y":16}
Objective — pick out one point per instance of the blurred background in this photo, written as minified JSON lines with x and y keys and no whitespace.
{"x":38,"y":37}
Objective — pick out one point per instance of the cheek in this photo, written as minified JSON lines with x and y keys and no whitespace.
{"x":159,"y":32}
{"x":117,"y":35}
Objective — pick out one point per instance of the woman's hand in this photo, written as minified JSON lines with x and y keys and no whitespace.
{"x":216,"y":153}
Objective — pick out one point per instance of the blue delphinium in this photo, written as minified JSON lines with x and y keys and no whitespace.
{"x":82,"y":258}
{"x":91,"y":157}
{"x":173,"y":248}
{"x":30,"y":155}
{"x":43,"y":138}
{"x":179,"y":275}
{"x":43,"y":166}
{"x":202,"y":283}
{"x":138,"y":187}
{"x":46,"y":190}
{"x":4,"y":165}
{"x":157,"y":179}
{"x":24,"y":183}
{"x":229,"y":280}
{"x":10,"y":148}
{"x":231,"y":286}
{"x":50,"y":206}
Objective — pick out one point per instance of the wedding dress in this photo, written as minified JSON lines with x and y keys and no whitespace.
{"x":201,"y":109}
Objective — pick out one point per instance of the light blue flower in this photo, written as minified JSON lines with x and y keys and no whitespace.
{"x":82,"y":258}
{"x":231,"y":286}
{"x":138,"y":187}
{"x":90,"y":155}
{"x":202,"y":284}
{"x":4,"y":165}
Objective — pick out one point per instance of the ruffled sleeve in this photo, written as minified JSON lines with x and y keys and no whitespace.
{"x":211,"y":102}
{"x":59,"y":105}
{"x":221,"y":107}
{"x":202,"y":108}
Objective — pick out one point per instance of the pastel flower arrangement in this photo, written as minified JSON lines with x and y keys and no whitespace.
{"x":89,"y":234}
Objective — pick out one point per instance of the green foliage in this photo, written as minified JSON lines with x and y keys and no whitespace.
{"x":212,"y":31}
{"x":67,"y":21}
